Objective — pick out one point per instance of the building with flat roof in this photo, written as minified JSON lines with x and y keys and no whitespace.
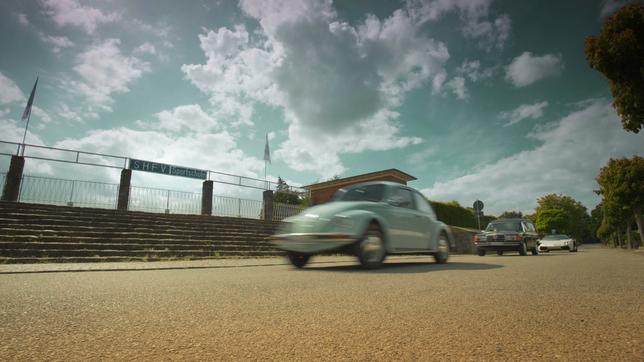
{"x":323,"y":191}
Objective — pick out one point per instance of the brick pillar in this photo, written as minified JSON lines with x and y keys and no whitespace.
{"x":268,"y":205}
{"x":11,"y":189}
{"x":124,"y":189}
{"x":206,"y":198}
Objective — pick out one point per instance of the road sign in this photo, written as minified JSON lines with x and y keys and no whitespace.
{"x":162,"y":168}
{"x":478,"y":205}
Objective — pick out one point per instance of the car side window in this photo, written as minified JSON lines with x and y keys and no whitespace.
{"x":531,"y":227}
{"x":423,"y":206}
{"x":402,"y":198}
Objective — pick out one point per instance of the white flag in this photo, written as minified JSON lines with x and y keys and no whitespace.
{"x":267,"y":151}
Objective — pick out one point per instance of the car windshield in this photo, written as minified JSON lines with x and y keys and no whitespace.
{"x":556,"y":237}
{"x":373,"y":193}
{"x":504,"y":226}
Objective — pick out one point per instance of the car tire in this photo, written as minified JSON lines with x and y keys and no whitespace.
{"x":499,"y":252}
{"x":480,"y":252}
{"x":442,"y":254}
{"x":371,"y":249}
{"x":298,"y":260}
{"x":523,"y":249}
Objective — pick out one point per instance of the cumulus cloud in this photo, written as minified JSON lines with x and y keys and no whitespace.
{"x":9,"y":91}
{"x":527,"y":69}
{"x":524,"y":111}
{"x":473,"y":70}
{"x":71,"y":12}
{"x":58,"y":42}
{"x":22,"y":19}
{"x":104,"y":70}
{"x":146,"y":48}
{"x":611,"y":6}
{"x":457,"y":86}
{"x":489,"y":33}
{"x":187,"y":117}
{"x":333,"y":80}
{"x":570,"y":154}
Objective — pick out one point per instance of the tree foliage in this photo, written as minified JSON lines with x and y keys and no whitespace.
{"x":576,"y":214}
{"x":618,"y":53}
{"x":452,"y":213}
{"x":621,"y":184}
{"x":552,"y":219}
{"x":284,"y":195}
{"x":511,"y":215}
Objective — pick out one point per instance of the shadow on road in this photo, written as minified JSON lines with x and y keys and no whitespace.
{"x":405,"y":267}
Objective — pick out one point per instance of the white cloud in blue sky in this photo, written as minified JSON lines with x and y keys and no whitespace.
{"x":342,"y":88}
{"x":527,"y":68}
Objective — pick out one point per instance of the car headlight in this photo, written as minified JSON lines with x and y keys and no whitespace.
{"x":341,"y":223}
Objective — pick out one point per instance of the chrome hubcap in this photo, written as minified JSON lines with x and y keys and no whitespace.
{"x":373,"y":248}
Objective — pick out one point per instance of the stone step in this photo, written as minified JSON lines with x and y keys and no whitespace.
{"x":82,"y":213}
{"x":109,"y":259}
{"x":14,"y":230}
{"x":227,"y":246}
{"x":25,"y":253}
{"x":149,"y":239}
{"x":58,"y":221}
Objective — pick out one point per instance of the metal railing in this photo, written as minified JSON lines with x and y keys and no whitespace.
{"x":282,"y":211}
{"x":230,"y":206}
{"x":45,"y":190}
{"x":121,"y":162}
{"x":160,"y":200}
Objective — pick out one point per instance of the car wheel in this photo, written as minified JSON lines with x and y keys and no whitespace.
{"x":481,"y":252}
{"x":499,"y":252}
{"x":442,"y":254}
{"x":298,"y":260}
{"x":371,"y":248}
{"x":523,"y":250}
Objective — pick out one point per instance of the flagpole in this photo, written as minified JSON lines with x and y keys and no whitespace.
{"x":24,"y":136}
{"x":27,"y":112}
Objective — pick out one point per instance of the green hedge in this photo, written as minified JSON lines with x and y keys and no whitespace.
{"x":455,"y":215}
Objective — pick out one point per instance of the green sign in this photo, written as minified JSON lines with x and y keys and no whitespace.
{"x":162,"y":168}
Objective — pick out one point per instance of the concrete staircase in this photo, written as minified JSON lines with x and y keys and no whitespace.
{"x":32,"y":233}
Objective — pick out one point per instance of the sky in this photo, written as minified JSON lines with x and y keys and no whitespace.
{"x":478,"y":99}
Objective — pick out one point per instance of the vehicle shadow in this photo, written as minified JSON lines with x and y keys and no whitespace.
{"x":404,"y":267}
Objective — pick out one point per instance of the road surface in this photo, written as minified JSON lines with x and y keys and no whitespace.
{"x":557,"y":306}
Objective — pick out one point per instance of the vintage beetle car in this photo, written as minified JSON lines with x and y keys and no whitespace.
{"x":368,"y":220}
{"x":508,"y":235}
{"x":558,"y":242}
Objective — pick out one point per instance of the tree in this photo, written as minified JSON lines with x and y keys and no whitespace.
{"x":511,"y":215}
{"x":283,"y":193}
{"x":578,"y":224}
{"x":552,"y":219}
{"x":618,"y":53}
{"x":621,"y":184}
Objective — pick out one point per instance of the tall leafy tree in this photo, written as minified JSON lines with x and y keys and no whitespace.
{"x":618,"y":53}
{"x":283,"y":193}
{"x":576,"y":214}
{"x":511,"y":215}
{"x":621,"y":184}
{"x":549,"y":220}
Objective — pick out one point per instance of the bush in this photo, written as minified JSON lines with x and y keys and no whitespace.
{"x":451,"y":213}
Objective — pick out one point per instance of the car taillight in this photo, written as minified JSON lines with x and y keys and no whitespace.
{"x":518,"y":237}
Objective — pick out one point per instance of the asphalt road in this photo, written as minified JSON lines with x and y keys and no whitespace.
{"x":558,"y":306}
